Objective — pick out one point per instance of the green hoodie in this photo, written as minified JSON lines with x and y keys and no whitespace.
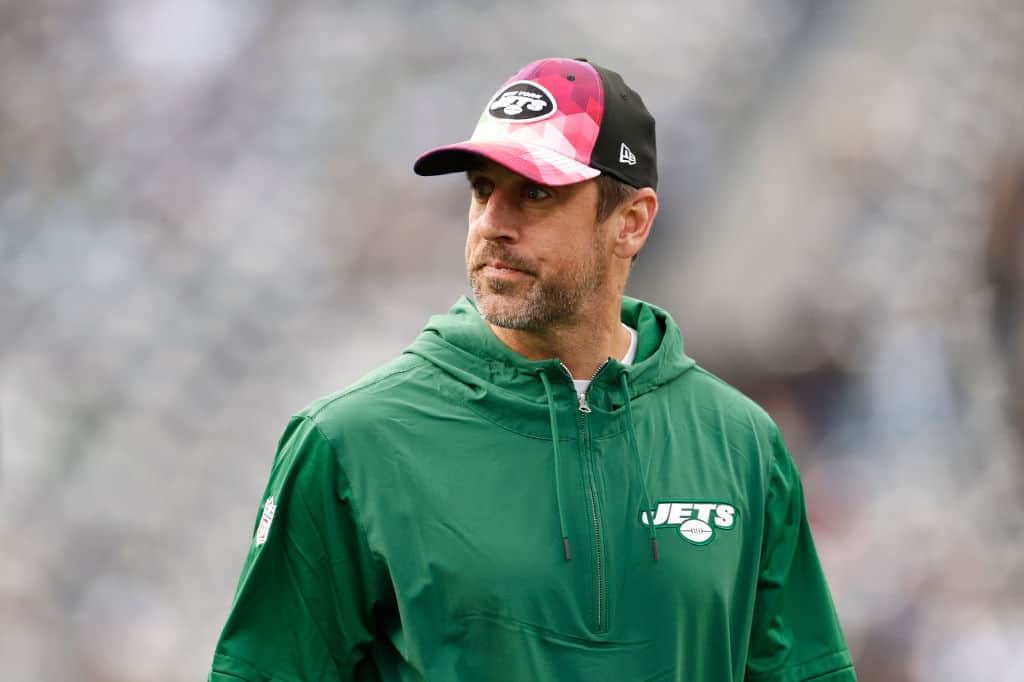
{"x":460,"y":515}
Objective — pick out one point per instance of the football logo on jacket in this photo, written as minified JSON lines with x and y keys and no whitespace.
{"x":696,"y":521}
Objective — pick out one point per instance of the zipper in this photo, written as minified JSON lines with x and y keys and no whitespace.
{"x":584,"y":405}
{"x":599,"y":568}
{"x":599,"y":578}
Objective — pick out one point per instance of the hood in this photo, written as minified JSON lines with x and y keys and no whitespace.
{"x":506,"y":388}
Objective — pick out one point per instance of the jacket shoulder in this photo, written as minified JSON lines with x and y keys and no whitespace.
{"x":716,"y":395}
{"x":389,"y":386}
{"x":735,"y":421}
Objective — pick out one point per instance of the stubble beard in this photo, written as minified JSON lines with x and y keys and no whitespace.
{"x":536,"y":304}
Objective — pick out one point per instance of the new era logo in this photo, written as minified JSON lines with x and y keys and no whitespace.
{"x":626,"y":155}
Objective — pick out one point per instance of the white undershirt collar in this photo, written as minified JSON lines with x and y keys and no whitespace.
{"x":583,"y":384}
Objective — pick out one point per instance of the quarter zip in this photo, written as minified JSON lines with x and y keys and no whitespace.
{"x":600,"y":596}
{"x":582,"y":397}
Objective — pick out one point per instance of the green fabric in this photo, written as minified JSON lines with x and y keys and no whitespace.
{"x":416,"y":534}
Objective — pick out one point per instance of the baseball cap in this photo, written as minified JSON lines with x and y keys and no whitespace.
{"x":558,"y":122}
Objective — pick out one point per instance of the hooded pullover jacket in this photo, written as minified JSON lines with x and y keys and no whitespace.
{"x":461,"y":515}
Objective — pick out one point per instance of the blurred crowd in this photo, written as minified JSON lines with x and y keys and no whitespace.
{"x":208,"y":218}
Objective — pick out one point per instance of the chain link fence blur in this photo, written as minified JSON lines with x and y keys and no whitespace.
{"x":208,"y":218}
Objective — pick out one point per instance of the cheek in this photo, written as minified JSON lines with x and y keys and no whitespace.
{"x":472,"y":233}
{"x":473,"y":244}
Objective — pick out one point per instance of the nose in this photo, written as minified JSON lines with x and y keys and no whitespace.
{"x":497,"y":218}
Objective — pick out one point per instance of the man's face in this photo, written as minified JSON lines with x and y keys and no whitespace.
{"x":534,"y":254}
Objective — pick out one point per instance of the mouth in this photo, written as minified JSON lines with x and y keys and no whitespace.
{"x":497,"y":268}
{"x":502,"y":271}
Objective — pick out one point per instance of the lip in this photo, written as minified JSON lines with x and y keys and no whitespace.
{"x":499,"y":268}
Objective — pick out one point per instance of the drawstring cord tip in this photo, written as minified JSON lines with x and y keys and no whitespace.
{"x":654,"y":548}
{"x":568,"y":552}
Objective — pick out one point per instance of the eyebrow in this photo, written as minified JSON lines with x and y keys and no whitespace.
{"x":479,"y":169}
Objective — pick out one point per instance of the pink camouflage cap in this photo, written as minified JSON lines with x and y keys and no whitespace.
{"x":559,"y":122}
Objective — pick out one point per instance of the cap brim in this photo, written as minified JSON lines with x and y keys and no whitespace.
{"x":539,"y":164}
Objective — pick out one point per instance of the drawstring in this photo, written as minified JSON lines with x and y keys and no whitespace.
{"x":631,"y":433}
{"x":558,"y":487}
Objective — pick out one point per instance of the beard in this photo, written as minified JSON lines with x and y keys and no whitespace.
{"x":533,"y":302}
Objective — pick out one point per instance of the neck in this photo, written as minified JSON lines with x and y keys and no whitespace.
{"x":583,"y":345}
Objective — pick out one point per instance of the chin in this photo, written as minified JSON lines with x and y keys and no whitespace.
{"x":505,"y":311}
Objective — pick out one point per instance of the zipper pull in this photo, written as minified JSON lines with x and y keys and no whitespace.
{"x":584,"y":407}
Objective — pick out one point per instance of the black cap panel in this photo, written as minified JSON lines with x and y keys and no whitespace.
{"x":625,"y":148}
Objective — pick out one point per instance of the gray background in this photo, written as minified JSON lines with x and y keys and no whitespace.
{"x":208,"y":218}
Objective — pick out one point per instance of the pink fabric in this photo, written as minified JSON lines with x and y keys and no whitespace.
{"x":553,"y":149}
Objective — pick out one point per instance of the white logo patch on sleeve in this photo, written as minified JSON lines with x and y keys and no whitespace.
{"x":268,"y":516}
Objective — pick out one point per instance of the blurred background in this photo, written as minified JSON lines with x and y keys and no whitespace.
{"x":208,"y":218}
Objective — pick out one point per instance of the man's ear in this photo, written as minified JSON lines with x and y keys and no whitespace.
{"x":636,"y":215}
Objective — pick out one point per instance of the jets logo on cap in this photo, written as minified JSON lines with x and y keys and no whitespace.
{"x":522,"y":102}
{"x":696,"y":521}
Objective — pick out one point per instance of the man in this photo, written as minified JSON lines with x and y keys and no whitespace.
{"x":543,"y":486}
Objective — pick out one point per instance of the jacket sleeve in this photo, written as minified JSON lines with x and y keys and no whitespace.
{"x":303,"y":609}
{"x":795,"y":633}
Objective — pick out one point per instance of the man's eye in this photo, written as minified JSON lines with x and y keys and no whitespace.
{"x":482,"y":188}
{"x":535,"y":193}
